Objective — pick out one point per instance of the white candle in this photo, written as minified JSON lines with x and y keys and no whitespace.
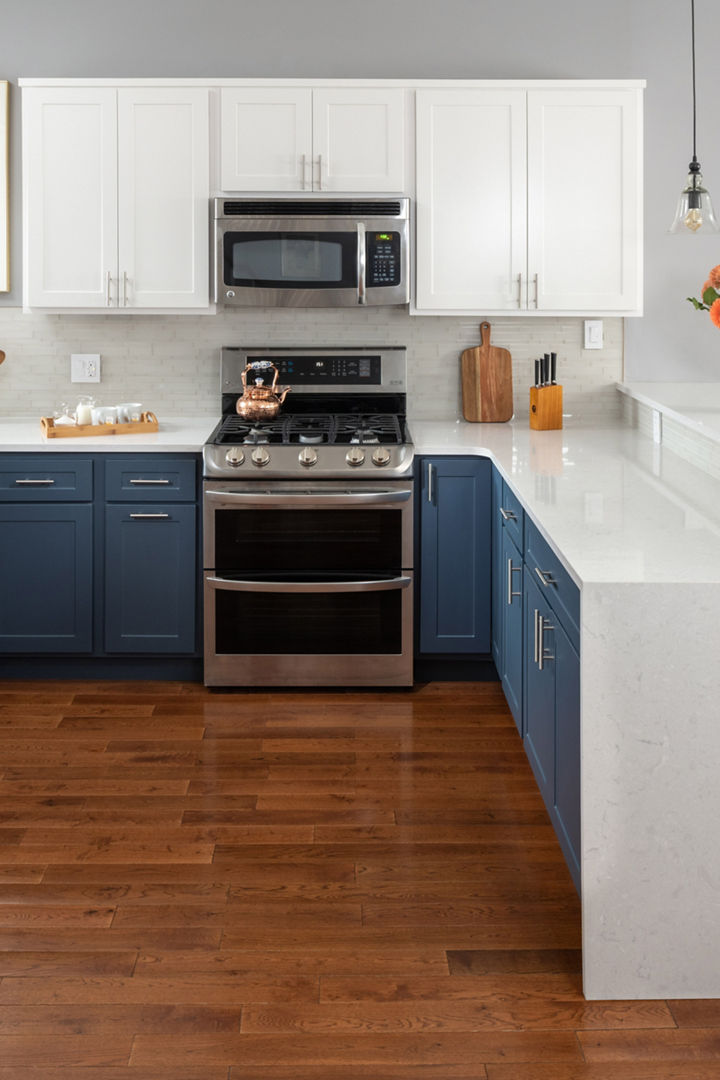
{"x":84,"y":414}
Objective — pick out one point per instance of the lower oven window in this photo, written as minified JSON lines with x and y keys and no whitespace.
{"x":308,"y":623}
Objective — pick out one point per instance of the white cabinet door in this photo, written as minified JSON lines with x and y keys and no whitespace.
{"x":471,"y":200}
{"x":70,"y":196}
{"x":584,"y":212}
{"x":358,"y":140}
{"x":163,"y":197}
{"x":266,"y":139}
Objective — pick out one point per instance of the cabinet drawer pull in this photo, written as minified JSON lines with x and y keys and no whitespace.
{"x":546,"y":577}
{"x":535,"y":637}
{"x":34,"y":481}
{"x":430,"y":483}
{"x":508,"y":515}
{"x":149,"y":481}
{"x":510,"y":570}
{"x":155,"y":517}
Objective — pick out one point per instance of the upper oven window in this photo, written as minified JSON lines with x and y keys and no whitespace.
{"x":309,"y":542}
{"x":297,"y":260}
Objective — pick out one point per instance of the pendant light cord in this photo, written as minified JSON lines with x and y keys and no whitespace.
{"x":694,"y":100}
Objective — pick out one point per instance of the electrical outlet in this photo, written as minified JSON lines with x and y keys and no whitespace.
{"x":85,"y":367}
{"x":593,"y":334}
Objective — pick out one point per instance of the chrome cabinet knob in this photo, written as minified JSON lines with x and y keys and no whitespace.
{"x":381,"y":456}
{"x":355,"y":456}
{"x":308,"y":457}
{"x":234,"y":456}
{"x":260,"y":456}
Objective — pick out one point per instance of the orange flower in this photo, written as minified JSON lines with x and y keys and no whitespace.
{"x":715,"y":313}
{"x":708,"y":285}
{"x":714,"y":277}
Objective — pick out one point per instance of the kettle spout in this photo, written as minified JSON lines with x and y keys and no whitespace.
{"x":284,"y":394}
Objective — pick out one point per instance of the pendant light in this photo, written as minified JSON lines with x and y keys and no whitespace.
{"x":694,"y":210}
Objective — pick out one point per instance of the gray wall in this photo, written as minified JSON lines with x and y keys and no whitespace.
{"x":432,"y":39}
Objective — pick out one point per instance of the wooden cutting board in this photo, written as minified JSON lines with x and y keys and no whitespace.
{"x":486,"y":374}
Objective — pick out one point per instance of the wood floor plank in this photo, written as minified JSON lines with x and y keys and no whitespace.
{"x":49,"y":915}
{"x":106,"y":1019}
{"x":683,"y":1044}
{"x":210,"y":988}
{"x":513,"y":961}
{"x":368,"y":1049}
{"x":69,"y":1051}
{"x":657,"y":1070}
{"x":120,"y":1072}
{"x":48,"y":964}
{"x":698,"y":1013}
{"x":339,"y":960}
{"x":355,"y":1072}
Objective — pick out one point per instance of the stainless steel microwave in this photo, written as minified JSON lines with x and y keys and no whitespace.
{"x":311,"y":253}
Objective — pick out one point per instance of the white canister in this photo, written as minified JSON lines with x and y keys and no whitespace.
{"x":130,"y":412}
{"x":84,"y":411}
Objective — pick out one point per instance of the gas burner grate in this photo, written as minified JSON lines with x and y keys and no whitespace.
{"x":368,"y":429}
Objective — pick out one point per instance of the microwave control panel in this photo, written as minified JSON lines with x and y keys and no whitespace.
{"x":383,"y":258}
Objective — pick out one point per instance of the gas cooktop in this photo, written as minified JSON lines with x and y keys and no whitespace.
{"x":345,"y":413}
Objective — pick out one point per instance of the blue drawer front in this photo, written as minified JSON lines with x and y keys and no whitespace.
{"x":45,"y":478}
{"x":150,"y":478}
{"x":513,"y":516}
{"x":554,"y":581}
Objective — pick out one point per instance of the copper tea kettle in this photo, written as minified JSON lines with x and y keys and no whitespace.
{"x":261,"y":402}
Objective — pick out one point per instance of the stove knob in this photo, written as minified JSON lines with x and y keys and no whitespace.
{"x":260,"y":456}
{"x":308,"y":456}
{"x":381,"y":456}
{"x":234,"y":456}
{"x":355,"y":456}
{"x":230,"y":293}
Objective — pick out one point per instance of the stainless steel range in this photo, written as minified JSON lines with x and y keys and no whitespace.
{"x":308,"y":548}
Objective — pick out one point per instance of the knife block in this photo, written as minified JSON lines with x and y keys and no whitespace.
{"x":546,"y":407}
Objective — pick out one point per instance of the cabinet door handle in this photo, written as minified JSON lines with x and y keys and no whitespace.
{"x":34,"y":481}
{"x":303,"y":162}
{"x":545,"y":577}
{"x":535,"y":637}
{"x":155,"y":517}
{"x":430,"y":492}
{"x":519,"y":290}
{"x":510,"y":570}
{"x":320,"y":187}
{"x":140,"y":481}
{"x":535,"y":283}
{"x":108,"y":279}
{"x":543,"y":625}
{"x":125,"y":296}
{"x":508,"y":515}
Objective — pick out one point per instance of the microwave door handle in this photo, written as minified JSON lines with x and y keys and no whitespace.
{"x":361,"y":263}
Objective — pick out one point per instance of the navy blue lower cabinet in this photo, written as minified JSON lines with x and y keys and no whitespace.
{"x":510,"y":576}
{"x":46,"y":575}
{"x":539,"y":690}
{"x":455,"y":555}
{"x":552,"y":720}
{"x":497,"y":583}
{"x":150,"y":578}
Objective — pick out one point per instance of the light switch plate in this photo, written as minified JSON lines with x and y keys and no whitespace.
{"x":84,"y":367}
{"x":593,"y":334}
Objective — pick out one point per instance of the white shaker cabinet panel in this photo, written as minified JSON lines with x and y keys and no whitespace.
{"x":471,"y":204}
{"x":70,"y":196}
{"x":163,"y":197}
{"x":266,"y":139}
{"x":358,"y":139}
{"x":584,"y":212}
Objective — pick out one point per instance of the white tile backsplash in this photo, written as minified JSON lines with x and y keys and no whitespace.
{"x":171,"y":362}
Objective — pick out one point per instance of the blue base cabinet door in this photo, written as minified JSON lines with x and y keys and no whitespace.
{"x":511,"y":668}
{"x":150,"y":578}
{"x":497,"y":581}
{"x":46,"y":556}
{"x":539,"y":690}
{"x":455,"y":558}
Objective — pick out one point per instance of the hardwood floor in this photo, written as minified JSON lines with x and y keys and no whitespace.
{"x":201,"y":885}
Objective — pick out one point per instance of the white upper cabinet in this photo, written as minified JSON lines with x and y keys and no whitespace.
{"x":471,"y":208}
{"x":584,"y":200}
{"x":116,"y":189}
{"x":529,"y":200}
{"x":303,"y":139}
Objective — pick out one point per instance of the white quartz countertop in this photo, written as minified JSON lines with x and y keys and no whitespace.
{"x":616,"y":507}
{"x":695,"y":405}
{"x":181,"y":434}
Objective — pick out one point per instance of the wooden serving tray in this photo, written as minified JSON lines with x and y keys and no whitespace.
{"x":145,"y":425}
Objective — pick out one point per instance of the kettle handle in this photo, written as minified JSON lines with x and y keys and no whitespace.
{"x":260,"y":365}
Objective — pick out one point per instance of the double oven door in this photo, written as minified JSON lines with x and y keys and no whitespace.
{"x":308,"y":584}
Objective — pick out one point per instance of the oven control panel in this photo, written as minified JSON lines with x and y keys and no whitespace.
{"x":335,"y":370}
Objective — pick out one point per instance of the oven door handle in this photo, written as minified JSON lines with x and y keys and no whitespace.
{"x":382,"y":585}
{"x":335,"y":498}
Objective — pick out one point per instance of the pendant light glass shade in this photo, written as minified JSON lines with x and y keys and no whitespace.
{"x":694,"y":210}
